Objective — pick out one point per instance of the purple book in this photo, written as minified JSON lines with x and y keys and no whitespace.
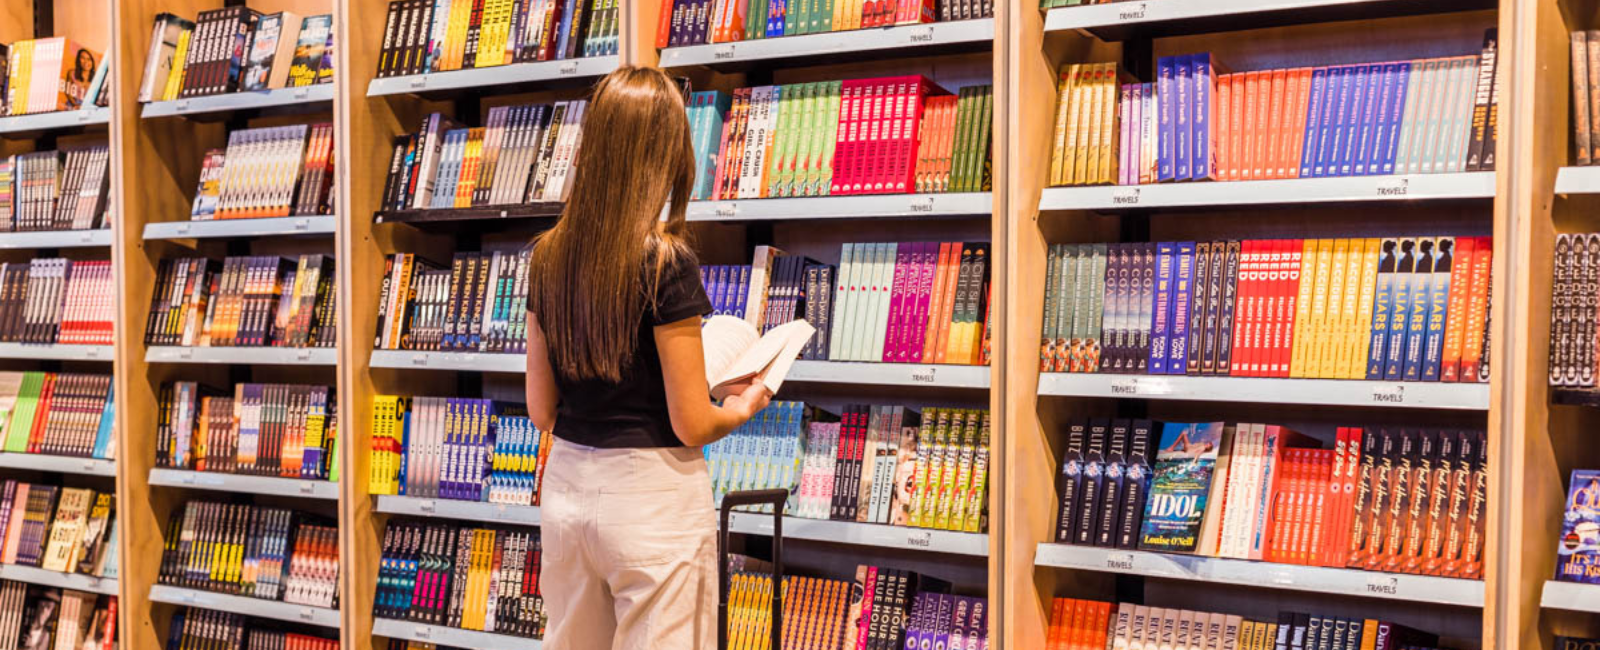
{"x":916,"y":337}
{"x":1201,"y":167}
{"x":897,"y":294}
{"x":1161,"y":307}
{"x":1183,"y":79}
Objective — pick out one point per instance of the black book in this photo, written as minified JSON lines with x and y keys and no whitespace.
{"x":1070,"y":480}
{"x":1108,"y":511}
{"x":1093,"y":481}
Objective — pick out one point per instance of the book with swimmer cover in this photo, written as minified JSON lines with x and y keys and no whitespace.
{"x":1185,"y":463}
{"x":736,"y":353}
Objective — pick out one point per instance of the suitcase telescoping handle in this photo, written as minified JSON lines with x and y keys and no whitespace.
{"x":777,"y":499}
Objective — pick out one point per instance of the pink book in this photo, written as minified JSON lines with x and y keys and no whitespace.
{"x":860,"y":135}
{"x":1130,"y":117}
{"x":897,"y":302}
{"x":849,"y":127}
{"x":871,"y":164}
{"x":909,"y":146}
{"x":868,"y":579}
{"x":917,"y":317}
{"x":13,"y":532}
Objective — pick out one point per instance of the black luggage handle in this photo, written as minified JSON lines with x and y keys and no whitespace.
{"x":777,"y":499}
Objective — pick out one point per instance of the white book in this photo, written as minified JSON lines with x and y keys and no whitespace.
{"x":760,"y":276}
{"x":860,"y":284}
{"x":867,"y":305}
{"x":441,"y":28}
{"x":881,"y":303}
{"x":1460,"y":134}
{"x":842,"y":294}
{"x":1444,"y":94}
{"x":1435,"y":77}
{"x":1233,"y":510}
{"x":737,"y":354}
{"x":428,"y":150}
{"x":1404,"y":131}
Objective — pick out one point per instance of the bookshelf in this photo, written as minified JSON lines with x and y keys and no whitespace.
{"x":257,"y":607}
{"x":59,"y":464}
{"x":245,"y":484}
{"x":888,"y":206}
{"x":32,"y":126}
{"x":237,"y":228}
{"x":500,"y":513}
{"x":224,"y":106}
{"x":1571,"y":597}
{"x":506,"y":79}
{"x":48,"y":578}
{"x":1278,"y":193}
{"x":897,"y":41}
{"x":1116,"y":22}
{"x":1578,"y":180}
{"x":1319,"y":392}
{"x":56,"y":352}
{"x":450,"y":636}
{"x":97,"y":238}
{"x":241,"y":355}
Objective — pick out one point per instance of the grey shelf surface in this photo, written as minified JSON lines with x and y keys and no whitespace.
{"x":1571,"y":596}
{"x":242,"y":355}
{"x":239,"y":483}
{"x":877,"y":206}
{"x":500,"y":513}
{"x":257,"y":607}
{"x":1578,"y":180}
{"x":48,"y":578}
{"x":450,"y":636}
{"x":899,"y":538}
{"x":56,"y":352}
{"x":921,"y":39}
{"x":1296,"y":191}
{"x":890,"y":374}
{"x":93,"y":238}
{"x":241,"y":101}
{"x":21,"y":125}
{"x":505,"y":76}
{"x":1324,"y":392}
{"x":1156,"y":18}
{"x":1267,"y":575}
{"x":466,"y":361}
{"x":60,"y":464}
{"x":220,"y":228}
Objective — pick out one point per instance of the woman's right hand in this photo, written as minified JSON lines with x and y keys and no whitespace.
{"x":749,"y":401}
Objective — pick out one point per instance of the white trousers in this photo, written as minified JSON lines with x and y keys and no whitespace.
{"x":630,"y":549}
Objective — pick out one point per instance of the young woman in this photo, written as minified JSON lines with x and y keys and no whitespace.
{"x":616,"y":372}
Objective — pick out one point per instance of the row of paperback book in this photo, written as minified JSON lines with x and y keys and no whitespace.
{"x":879,"y":464}
{"x":882,"y":609}
{"x":456,"y":448}
{"x":1574,"y":299}
{"x":286,"y":430}
{"x":45,"y":75}
{"x":57,"y":414}
{"x":1396,"y":309}
{"x":54,"y":300}
{"x":55,"y":190}
{"x":235,"y":49}
{"x":882,"y":135}
{"x":251,"y":301}
{"x":1578,"y":549}
{"x":34,"y":617}
{"x":697,"y":22}
{"x":1586,"y":97}
{"x":477,"y":304}
{"x":1195,"y":123}
{"x":1078,"y":623}
{"x":524,"y":155}
{"x":193,"y":628}
{"x":249,"y":550}
{"x":422,"y":36}
{"x":467,"y":577}
{"x":1393,"y":500}
{"x":70,"y":530}
{"x":268,"y":172}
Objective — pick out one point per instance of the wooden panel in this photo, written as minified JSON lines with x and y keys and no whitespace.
{"x":85,"y":21}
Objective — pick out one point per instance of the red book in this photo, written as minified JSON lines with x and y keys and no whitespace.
{"x":1461,"y":269}
{"x":1472,"y":339}
{"x":1244,"y":299}
{"x":844,"y":141}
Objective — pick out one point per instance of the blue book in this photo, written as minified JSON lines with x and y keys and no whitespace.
{"x":1161,"y":307}
{"x":775,"y":18}
{"x":1166,"y":135}
{"x":1314,"y":117}
{"x":564,"y":28}
{"x":1371,"y":116}
{"x":1396,"y":118}
{"x":1178,"y":319}
{"x":405,"y":446}
{"x":1438,"y":307}
{"x":1336,"y":86}
{"x":1382,"y":306}
{"x":1350,"y":107}
{"x":102,"y":437}
{"x":740,"y":287}
{"x":1421,"y":299}
{"x":1180,"y":484}
{"x":1203,"y":165}
{"x":1370,"y":162}
{"x":1578,"y":550}
{"x":1183,"y":79}
{"x":1399,"y":310}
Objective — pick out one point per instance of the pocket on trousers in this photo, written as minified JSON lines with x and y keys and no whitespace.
{"x":650,"y":527}
{"x":557,"y":525}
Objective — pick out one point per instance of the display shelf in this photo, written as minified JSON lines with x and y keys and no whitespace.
{"x":880,"y":206}
{"x":464,"y":361}
{"x":1578,"y":180}
{"x":927,"y":39}
{"x":504,"y":79}
{"x":95,"y":238}
{"x":242,"y":355}
{"x":1156,"y":18}
{"x":222,"y":228}
{"x":55,"y":352}
{"x":257,"y":607}
{"x":1571,"y":596}
{"x":450,"y":636}
{"x":1298,"y":191}
{"x":890,"y":374}
{"x":900,"y":538}
{"x":76,"y":581}
{"x":59,"y":464}
{"x":318,"y":96}
{"x":1325,"y":580}
{"x":500,"y":513}
{"x":541,"y":210}
{"x":25,"y":126}
{"x":243,"y":484}
{"x":1322,"y":392}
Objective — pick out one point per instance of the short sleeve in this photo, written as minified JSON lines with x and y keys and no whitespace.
{"x":680,"y":294}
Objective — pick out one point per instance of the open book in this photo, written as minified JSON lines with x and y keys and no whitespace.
{"x":736,"y":353}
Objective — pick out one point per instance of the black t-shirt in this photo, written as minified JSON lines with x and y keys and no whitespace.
{"x":633,"y":413}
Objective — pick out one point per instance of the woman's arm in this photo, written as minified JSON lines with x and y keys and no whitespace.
{"x":695,"y":419}
{"x":541,"y":382}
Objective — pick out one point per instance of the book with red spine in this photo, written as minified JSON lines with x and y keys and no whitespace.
{"x":1474,"y":338}
{"x":1461,"y":273}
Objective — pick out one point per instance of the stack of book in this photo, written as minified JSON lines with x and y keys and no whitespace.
{"x":456,"y":448}
{"x":1574,"y":294}
{"x":264,"y":639}
{"x":882,"y":608}
{"x":1578,"y":551}
{"x":57,"y":414}
{"x":422,"y":36}
{"x":524,"y":155}
{"x":36,"y":617}
{"x":697,"y":22}
{"x":883,"y":135}
{"x":1395,"y":309}
{"x":55,"y":190}
{"x":193,"y":627}
{"x":252,"y":301}
{"x":1194,"y":123}
{"x":478,"y":304}
{"x":51,"y":74}
{"x":242,"y":549}
{"x":1393,"y":500}
{"x":286,"y":430}
{"x":54,"y":300}
{"x":1586,"y":97}
{"x":1101,"y":624}
{"x":70,"y":530}
{"x":483,"y":579}
{"x":268,"y":172}
{"x":236,"y":49}
{"x":313,"y":576}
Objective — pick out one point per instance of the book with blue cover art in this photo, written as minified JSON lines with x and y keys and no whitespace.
{"x":1185,"y":464}
{"x":1578,"y":551}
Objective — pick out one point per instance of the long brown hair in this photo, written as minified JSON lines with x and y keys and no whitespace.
{"x":595,"y":273}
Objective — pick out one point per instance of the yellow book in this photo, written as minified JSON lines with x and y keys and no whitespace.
{"x":456,"y":37}
{"x":979,"y":488}
{"x":1319,"y":306}
{"x":1063,"y":94}
{"x":856,"y":8}
{"x":1075,"y":117}
{"x":951,"y":470}
{"x":929,"y":501}
{"x":1109,"y":113}
{"x":179,"y":58}
{"x":1327,"y":347}
{"x":1348,"y":311}
{"x":21,"y":77}
{"x":1302,"y":310}
{"x":377,"y":483}
{"x":1086,"y":125}
{"x":492,"y":35}
{"x":1361,"y":345}
{"x":919,"y":480}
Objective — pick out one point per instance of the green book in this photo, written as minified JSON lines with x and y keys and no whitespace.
{"x":755,"y":19}
{"x":829,"y":139}
{"x":21,"y":425}
{"x":963,"y":136}
{"x":980,"y":150}
{"x":782,"y":139}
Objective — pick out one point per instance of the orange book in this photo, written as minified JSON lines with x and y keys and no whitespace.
{"x":1472,"y":339}
{"x":1281,"y":524}
{"x":1321,"y":518}
{"x":1239,"y":89}
{"x":942,"y":317}
{"x":1288,"y":303}
{"x":42,"y":413}
{"x":1222,"y":125}
{"x":1270,"y":160}
{"x":1252,"y":114}
{"x":1286,"y":125}
{"x":1461,"y":270}
{"x":936,"y":302}
{"x":13,"y":531}
{"x":1297,"y":128}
